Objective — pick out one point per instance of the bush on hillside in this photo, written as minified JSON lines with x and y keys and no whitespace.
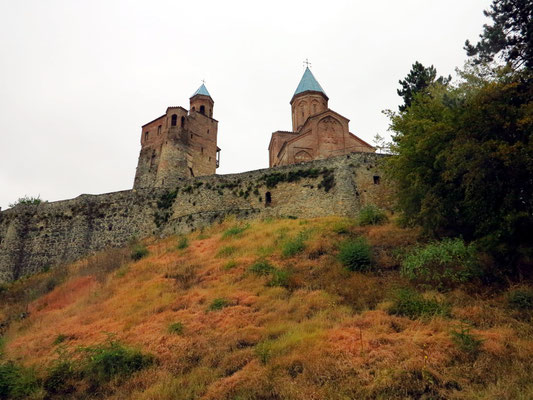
{"x":356,"y":255}
{"x":139,"y":251}
{"x":409,"y":303}
{"x":262,"y":267}
{"x":371,"y":215}
{"x":183,"y":243}
{"x":520,"y":299}
{"x":27,"y":200}
{"x":16,"y":381}
{"x":443,"y":263}
{"x":293,"y":246}
{"x":111,"y":360}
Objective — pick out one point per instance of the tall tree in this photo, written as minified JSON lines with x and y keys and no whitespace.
{"x":418,"y":79}
{"x":464,"y":164}
{"x":510,"y":36}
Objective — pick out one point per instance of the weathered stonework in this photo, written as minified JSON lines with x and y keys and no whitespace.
{"x":34,"y":237}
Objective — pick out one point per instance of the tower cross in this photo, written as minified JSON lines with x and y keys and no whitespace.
{"x":203,"y":81}
{"x":307,"y":63}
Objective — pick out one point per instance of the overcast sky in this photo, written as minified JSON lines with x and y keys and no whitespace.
{"x":78,"y":78}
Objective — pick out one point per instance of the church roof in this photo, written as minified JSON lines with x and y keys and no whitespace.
{"x":308,"y":83}
{"x":202,"y":90}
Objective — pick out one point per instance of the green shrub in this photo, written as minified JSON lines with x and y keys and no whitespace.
{"x":295,"y":245}
{"x":443,"y":263}
{"x":280,"y":277}
{"x":61,"y":378}
{"x":27,"y":200}
{"x":111,"y":360}
{"x":520,"y":299}
{"x":356,"y":254}
{"x":226,"y":251}
{"x":175,"y":328}
{"x":466,"y":342}
{"x":235,"y":230}
{"x":262,"y":267}
{"x":411,"y":304}
{"x":16,"y":381}
{"x":230,"y":265}
{"x":138,"y":251}
{"x":183,"y":243}
{"x":218,"y":304}
{"x":371,"y":215}
{"x":60,"y":339}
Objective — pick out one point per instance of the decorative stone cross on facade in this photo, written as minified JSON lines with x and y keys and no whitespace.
{"x":307,"y":63}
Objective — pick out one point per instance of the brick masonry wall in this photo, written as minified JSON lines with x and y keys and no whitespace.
{"x":35,"y":237}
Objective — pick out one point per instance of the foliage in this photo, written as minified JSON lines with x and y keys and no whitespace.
{"x":16,"y":381}
{"x":27,"y":200}
{"x":176,"y":328}
{"x":60,"y":339}
{"x":463,"y":165}
{"x":218,"y":304}
{"x":442,"y":263}
{"x":139,"y":251}
{"x":520,"y":299}
{"x":183,"y":243}
{"x":356,"y":254}
{"x":235,"y":230}
{"x":262,"y":267}
{"x":412,"y":304}
{"x":280,"y":277}
{"x":509,"y":36}
{"x":61,"y":378}
{"x":230,"y":265}
{"x":293,"y":246}
{"x":466,"y":342}
{"x":110,"y":360}
{"x":371,"y":215}
{"x":226,"y":251}
{"x":418,"y":79}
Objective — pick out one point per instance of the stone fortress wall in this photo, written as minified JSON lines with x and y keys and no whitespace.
{"x":34,"y":237}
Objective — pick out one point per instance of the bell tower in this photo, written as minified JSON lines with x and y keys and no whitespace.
{"x":202,"y":102}
{"x":309,"y":99}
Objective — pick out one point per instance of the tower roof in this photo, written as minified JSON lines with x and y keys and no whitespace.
{"x":201,"y":90}
{"x":308,"y":83}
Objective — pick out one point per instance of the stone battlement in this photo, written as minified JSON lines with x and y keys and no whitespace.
{"x":34,"y":237}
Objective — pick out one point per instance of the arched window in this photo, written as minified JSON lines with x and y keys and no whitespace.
{"x":202,"y":109}
{"x":182,"y":122}
{"x":145,"y":136}
{"x":194,"y":108}
{"x":159,"y":130}
{"x":174,"y":120}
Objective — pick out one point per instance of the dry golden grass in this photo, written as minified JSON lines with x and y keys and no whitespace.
{"x":325,"y":334}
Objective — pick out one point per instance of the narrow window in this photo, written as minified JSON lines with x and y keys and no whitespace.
{"x":191,"y":135}
{"x":145,"y":136}
{"x":209,"y":158}
{"x":268,"y":199}
{"x":202,"y":150}
{"x":174,"y":120}
{"x":190,"y":170}
{"x":211,"y":113}
{"x":202,"y":109}
{"x":208,"y":131}
{"x":376,"y":180}
{"x":182,"y":122}
{"x":159,"y":130}
{"x":194,"y":109}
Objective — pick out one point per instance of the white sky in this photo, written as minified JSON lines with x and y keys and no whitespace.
{"x":79,"y":78}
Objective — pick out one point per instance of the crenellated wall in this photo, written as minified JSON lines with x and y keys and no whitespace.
{"x":35,"y":237}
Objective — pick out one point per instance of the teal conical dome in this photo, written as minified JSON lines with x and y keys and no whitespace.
{"x":308,"y":83}
{"x":201,"y":90}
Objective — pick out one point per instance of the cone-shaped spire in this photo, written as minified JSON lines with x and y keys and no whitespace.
{"x":201,"y":90}
{"x":308,"y":83}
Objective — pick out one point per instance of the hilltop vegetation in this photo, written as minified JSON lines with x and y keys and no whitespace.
{"x":273,"y":309}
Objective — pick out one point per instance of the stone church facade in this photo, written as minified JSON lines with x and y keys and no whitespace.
{"x":317,"y":132}
{"x":179,"y":144}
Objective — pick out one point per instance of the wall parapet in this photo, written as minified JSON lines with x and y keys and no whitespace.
{"x":34,"y":237}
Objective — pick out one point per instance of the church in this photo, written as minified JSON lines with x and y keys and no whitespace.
{"x":183,"y":143}
{"x":317,"y":132}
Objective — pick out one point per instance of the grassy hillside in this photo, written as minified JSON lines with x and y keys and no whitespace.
{"x":263,"y":310}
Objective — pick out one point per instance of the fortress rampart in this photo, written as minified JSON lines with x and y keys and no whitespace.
{"x":33,"y":237}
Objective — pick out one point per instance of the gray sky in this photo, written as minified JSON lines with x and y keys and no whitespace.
{"x":78,"y":78}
